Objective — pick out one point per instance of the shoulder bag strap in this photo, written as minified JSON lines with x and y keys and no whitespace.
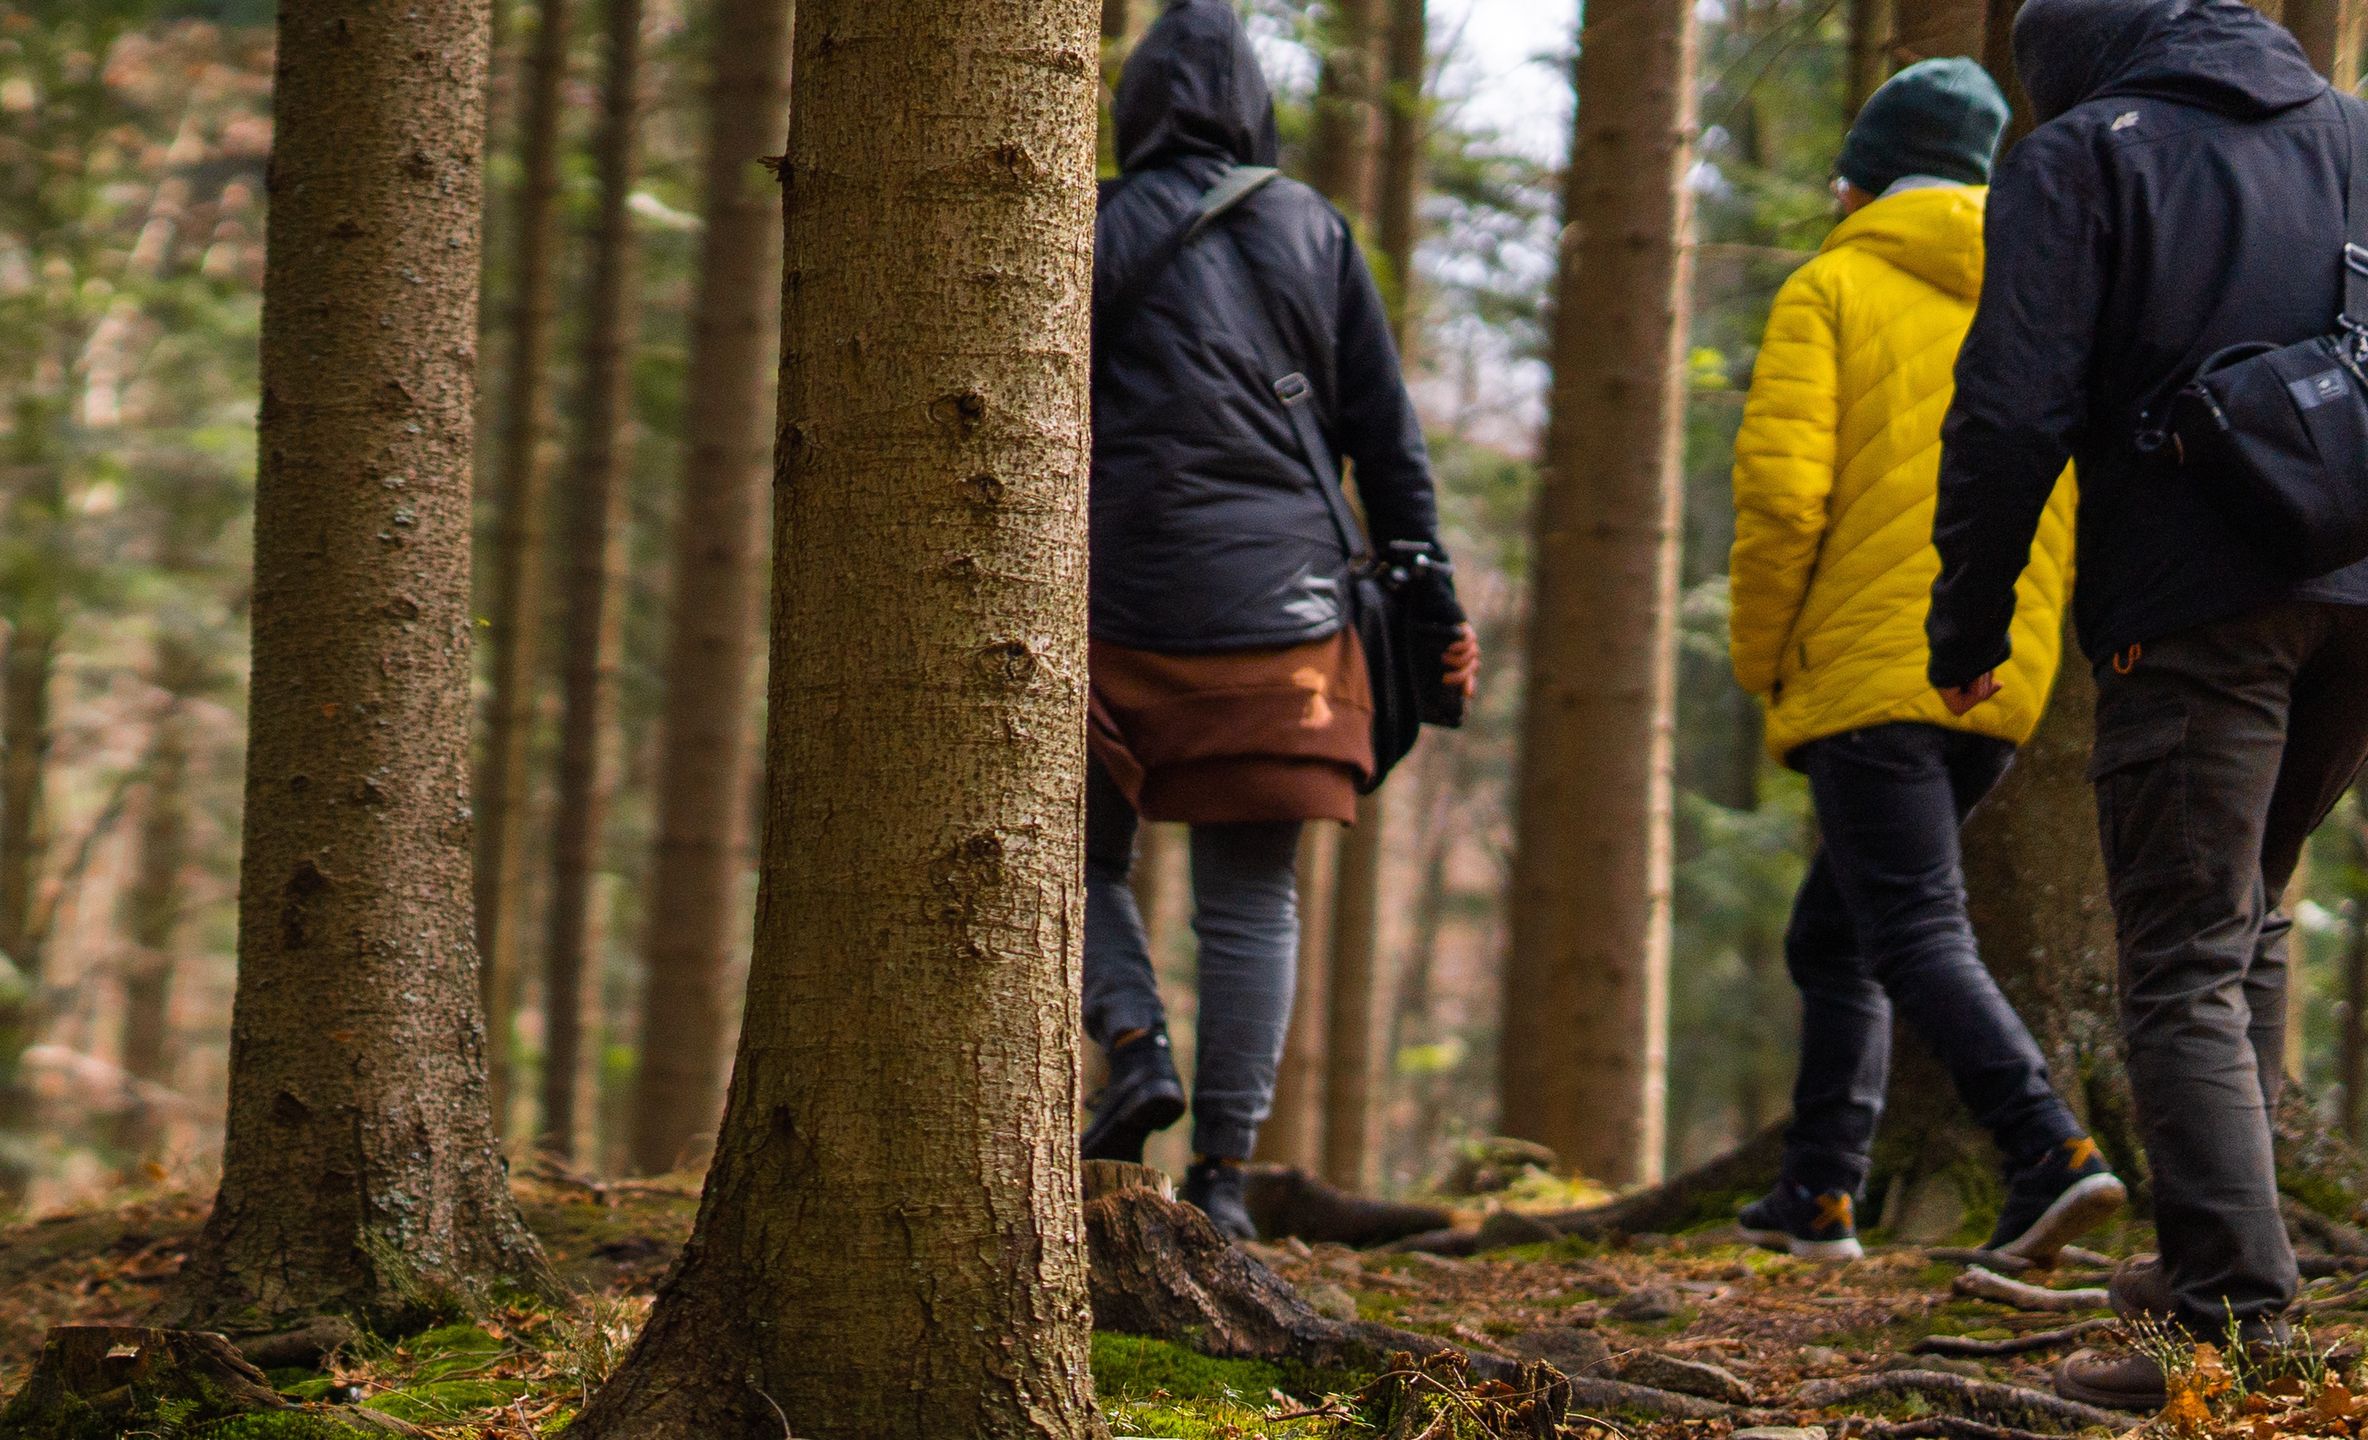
{"x":1232,"y":188}
{"x":2355,"y":220}
{"x":1298,"y":398}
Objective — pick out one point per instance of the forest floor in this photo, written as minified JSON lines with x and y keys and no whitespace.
{"x":1760,"y":1338}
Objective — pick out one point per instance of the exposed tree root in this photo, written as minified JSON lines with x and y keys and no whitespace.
{"x":1161,"y":1270}
{"x":2017,"y":1345}
{"x":1976,"y":1397}
{"x":1686,"y":1200}
{"x":98,"y":1381}
{"x":1935,"y":1427}
{"x":1993,"y":1260}
{"x":1290,"y":1202}
{"x":1983,"y":1284}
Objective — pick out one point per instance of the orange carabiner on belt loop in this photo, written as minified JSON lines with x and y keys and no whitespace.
{"x":2128,"y":659}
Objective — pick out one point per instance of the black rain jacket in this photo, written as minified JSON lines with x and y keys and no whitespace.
{"x":2185,"y":193}
{"x":1208,"y":532}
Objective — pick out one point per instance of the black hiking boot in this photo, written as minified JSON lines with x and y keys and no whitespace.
{"x":1144,"y":1097}
{"x":2068,"y":1192}
{"x":1218,"y":1189}
{"x":1813,"y":1225}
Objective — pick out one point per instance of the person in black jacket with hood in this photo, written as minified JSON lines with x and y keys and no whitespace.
{"x":2184,"y":192}
{"x":1229,"y":692}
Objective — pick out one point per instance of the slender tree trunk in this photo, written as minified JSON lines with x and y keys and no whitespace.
{"x":591,"y":617}
{"x":2330,"y":32}
{"x":1410,"y":1005}
{"x":1935,"y":29}
{"x":1294,"y":1132}
{"x":1869,"y":59}
{"x":1347,"y":120}
{"x":25,"y":674}
{"x":154,"y":901}
{"x":519,"y":584}
{"x":2352,"y":1050}
{"x":360,"y":1174}
{"x":706,"y":744}
{"x":904,"y":1101}
{"x":1585,"y":1048}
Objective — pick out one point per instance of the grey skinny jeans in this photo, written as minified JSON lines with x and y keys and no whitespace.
{"x":1245,"y":891}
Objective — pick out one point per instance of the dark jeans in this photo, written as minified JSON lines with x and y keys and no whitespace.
{"x":1245,"y":894}
{"x":1880,"y":925}
{"x":2218,"y":751}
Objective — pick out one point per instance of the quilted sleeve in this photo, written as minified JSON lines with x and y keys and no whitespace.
{"x":1784,"y":473}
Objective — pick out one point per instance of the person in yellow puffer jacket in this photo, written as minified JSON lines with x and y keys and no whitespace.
{"x":1836,"y":478}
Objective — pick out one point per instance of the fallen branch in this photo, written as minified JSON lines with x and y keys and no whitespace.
{"x":1980,"y":1396}
{"x":1996,"y":1260}
{"x":1598,"y":1394}
{"x":2017,"y":1345}
{"x":1981,"y":1284}
{"x":1290,"y":1202}
{"x":1935,"y":1427}
{"x":1682,"y":1200}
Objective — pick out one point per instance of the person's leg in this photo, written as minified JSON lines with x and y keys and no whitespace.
{"x":1246,"y":914}
{"x":1121,"y":989}
{"x":2326,"y":745}
{"x":2191,"y":741}
{"x":1845,"y":1065}
{"x":1892,"y":799}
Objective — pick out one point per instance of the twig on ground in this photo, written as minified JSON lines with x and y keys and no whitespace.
{"x":1934,"y":1427}
{"x":1989,"y":1259}
{"x":2082,"y":1255}
{"x":1981,"y":1396}
{"x":1603,"y":1394}
{"x":2017,"y":1345}
{"x":1984,"y":1284}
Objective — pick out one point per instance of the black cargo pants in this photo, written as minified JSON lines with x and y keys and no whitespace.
{"x":2218,"y":751}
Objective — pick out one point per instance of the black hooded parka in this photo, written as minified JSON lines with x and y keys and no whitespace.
{"x":1208,"y":532}
{"x":2185,"y":193}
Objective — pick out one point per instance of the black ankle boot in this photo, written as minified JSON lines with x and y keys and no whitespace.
{"x":1144,"y":1097}
{"x":1219,"y":1190}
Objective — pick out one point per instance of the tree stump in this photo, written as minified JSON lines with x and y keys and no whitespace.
{"x":1160,"y":1269}
{"x":1112,"y":1177}
{"x":97,"y":1382}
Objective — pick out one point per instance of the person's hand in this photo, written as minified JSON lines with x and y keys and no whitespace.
{"x":1463,"y":663}
{"x":1965,"y":699}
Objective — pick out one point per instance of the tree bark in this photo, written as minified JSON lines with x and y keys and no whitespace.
{"x":1405,"y":130}
{"x":2352,"y":1048}
{"x":1936,"y":29}
{"x":2330,"y":32}
{"x":156,"y":897}
{"x":37,"y":515}
{"x":1347,"y":120}
{"x":360,"y":1173}
{"x":592,"y":617}
{"x":905,"y":1096}
{"x":706,"y":746}
{"x":1351,"y":996}
{"x":1585,"y":1048}
{"x":1869,"y":59}
{"x":1294,"y":1133}
{"x":518,"y":598}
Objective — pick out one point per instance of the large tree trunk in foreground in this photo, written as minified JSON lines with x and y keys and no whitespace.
{"x":154,"y":901}
{"x":518,"y":597}
{"x":706,"y":744}
{"x":1585,"y":1049}
{"x":905,"y":1097}
{"x":592,"y":616}
{"x":360,"y":1174}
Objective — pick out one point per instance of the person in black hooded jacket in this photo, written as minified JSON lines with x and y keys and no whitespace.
{"x":1229,"y":691}
{"x":2185,"y":192}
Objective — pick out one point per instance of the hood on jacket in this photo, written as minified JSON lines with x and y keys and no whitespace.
{"x":1193,"y":87}
{"x":1934,"y":233}
{"x":2220,"y":54}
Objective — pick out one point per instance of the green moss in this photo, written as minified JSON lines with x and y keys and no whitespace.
{"x":1132,"y":1368}
{"x":280,"y":1425}
{"x":312,"y":1388}
{"x":441,"y":1402}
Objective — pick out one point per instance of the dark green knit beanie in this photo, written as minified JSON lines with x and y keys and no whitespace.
{"x":1941,"y":118}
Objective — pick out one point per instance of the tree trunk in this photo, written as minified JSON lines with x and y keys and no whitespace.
{"x":2352,"y":1049}
{"x":360,"y":1174}
{"x":1585,"y":1045}
{"x":156,"y":897}
{"x":1293,"y":1134}
{"x":1405,"y":130}
{"x":1347,"y":120}
{"x":1350,"y":999}
{"x":37,"y":516}
{"x":2330,"y":32}
{"x":1936,"y":29}
{"x":1869,"y":60}
{"x":518,"y":597}
{"x":706,"y":745}
{"x":591,"y":616}
{"x":905,"y":1096}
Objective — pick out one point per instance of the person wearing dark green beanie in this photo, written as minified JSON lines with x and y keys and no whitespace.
{"x":1938,"y":121}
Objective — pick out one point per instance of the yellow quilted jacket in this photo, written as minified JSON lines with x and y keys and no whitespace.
{"x":1836,"y":475}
